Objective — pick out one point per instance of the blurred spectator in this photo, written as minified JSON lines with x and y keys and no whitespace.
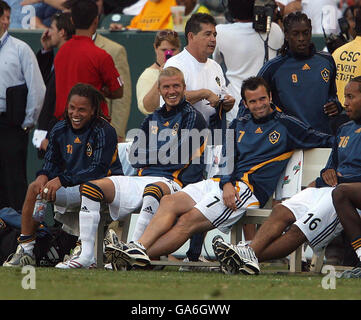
{"x":135,"y":9}
{"x":79,"y":60}
{"x":191,"y":7}
{"x":323,"y":13}
{"x":22,"y":93}
{"x":155,"y":15}
{"x":166,"y":44}
{"x":242,"y":62}
{"x":349,"y":15}
{"x":43,"y":17}
{"x":119,"y":109}
{"x":348,"y":60}
{"x":60,"y":31}
{"x":116,"y":6}
{"x":302,"y":80}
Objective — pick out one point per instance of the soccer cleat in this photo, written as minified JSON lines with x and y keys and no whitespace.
{"x":110,"y":240}
{"x":132,"y":253}
{"x":221,"y":251}
{"x":234,"y":259}
{"x":353,"y":273}
{"x":218,"y":251}
{"x":114,"y":257}
{"x":20,"y":258}
{"x":73,"y":253}
{"x":76,"y":263}
{"x":247,"y":259}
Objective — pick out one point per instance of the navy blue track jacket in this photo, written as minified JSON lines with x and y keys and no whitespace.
{"x":78,"y":156}
{"x":169,"y":150}
{"x":263,"y":148}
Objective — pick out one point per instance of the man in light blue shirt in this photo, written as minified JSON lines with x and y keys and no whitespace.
{"x":18,"y":66}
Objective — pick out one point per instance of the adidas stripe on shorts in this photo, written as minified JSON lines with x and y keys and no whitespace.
{"x":129,"y":193}
{"x":315,"y":216}
{"x":209,"y":201}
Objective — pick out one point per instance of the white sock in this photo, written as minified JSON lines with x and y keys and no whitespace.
{"x":28,"y":247}
{"x":149,"y":208}
{"x":89,"y":217}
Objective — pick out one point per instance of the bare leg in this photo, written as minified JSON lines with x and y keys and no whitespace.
{"x":249,"y":231}
{"x":283,"y":245}
{"x":280,"y":218}
{"x":171,"y":207}
{"x":189,"y":223}
{"x":346,"y":198}
{"x":28,"y":224}
{"x":107,"y":187}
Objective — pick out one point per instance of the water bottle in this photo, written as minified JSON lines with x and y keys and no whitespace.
{"x":39,"y":209}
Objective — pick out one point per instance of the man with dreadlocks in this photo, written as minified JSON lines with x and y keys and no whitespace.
{"x":81,"y":147}
{"x":302,"y":80}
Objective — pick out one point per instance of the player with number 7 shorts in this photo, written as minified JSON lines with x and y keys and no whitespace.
{"x":263,"y":141}
{"x":310,"y":215}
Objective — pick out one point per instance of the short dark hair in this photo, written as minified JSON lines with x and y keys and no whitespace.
{"x":194,"y":23}
{"x":63,"y":21}
{"x":358,"y":80}
{"x":3,"y":7}
{"x":241,"y":9}
{"x":95,"y":97}
{"x":83,"y":12}
{"x":252,"y":84}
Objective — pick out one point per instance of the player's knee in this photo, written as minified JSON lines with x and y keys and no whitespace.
{"x":154,"y":191}
{"x":33,"y":189}
{"x":185,"y":223}
{"x":282,"y":213}
{"x":92,"y":191}
{"x":339,"y":194}
{"x":167,"y":202}
{"x":296,"y":234}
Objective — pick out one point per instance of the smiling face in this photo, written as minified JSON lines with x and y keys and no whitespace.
{"x":80,"y":111}
{"x":353,"y":100}
{"x":258,"y":102}
{"x":172,"y":89}
{"x":299,"y":38}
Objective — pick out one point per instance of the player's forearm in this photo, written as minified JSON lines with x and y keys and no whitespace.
{"x":196,"y":95}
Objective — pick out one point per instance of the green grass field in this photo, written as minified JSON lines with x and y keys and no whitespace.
{"x":170,"y":284}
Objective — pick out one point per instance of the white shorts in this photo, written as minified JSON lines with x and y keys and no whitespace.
{"x":209,"y":201}
{"x":315,"y":216}
{"x":129,"y":193}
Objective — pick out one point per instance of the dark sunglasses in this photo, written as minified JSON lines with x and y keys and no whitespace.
{"x":165,"y":33}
